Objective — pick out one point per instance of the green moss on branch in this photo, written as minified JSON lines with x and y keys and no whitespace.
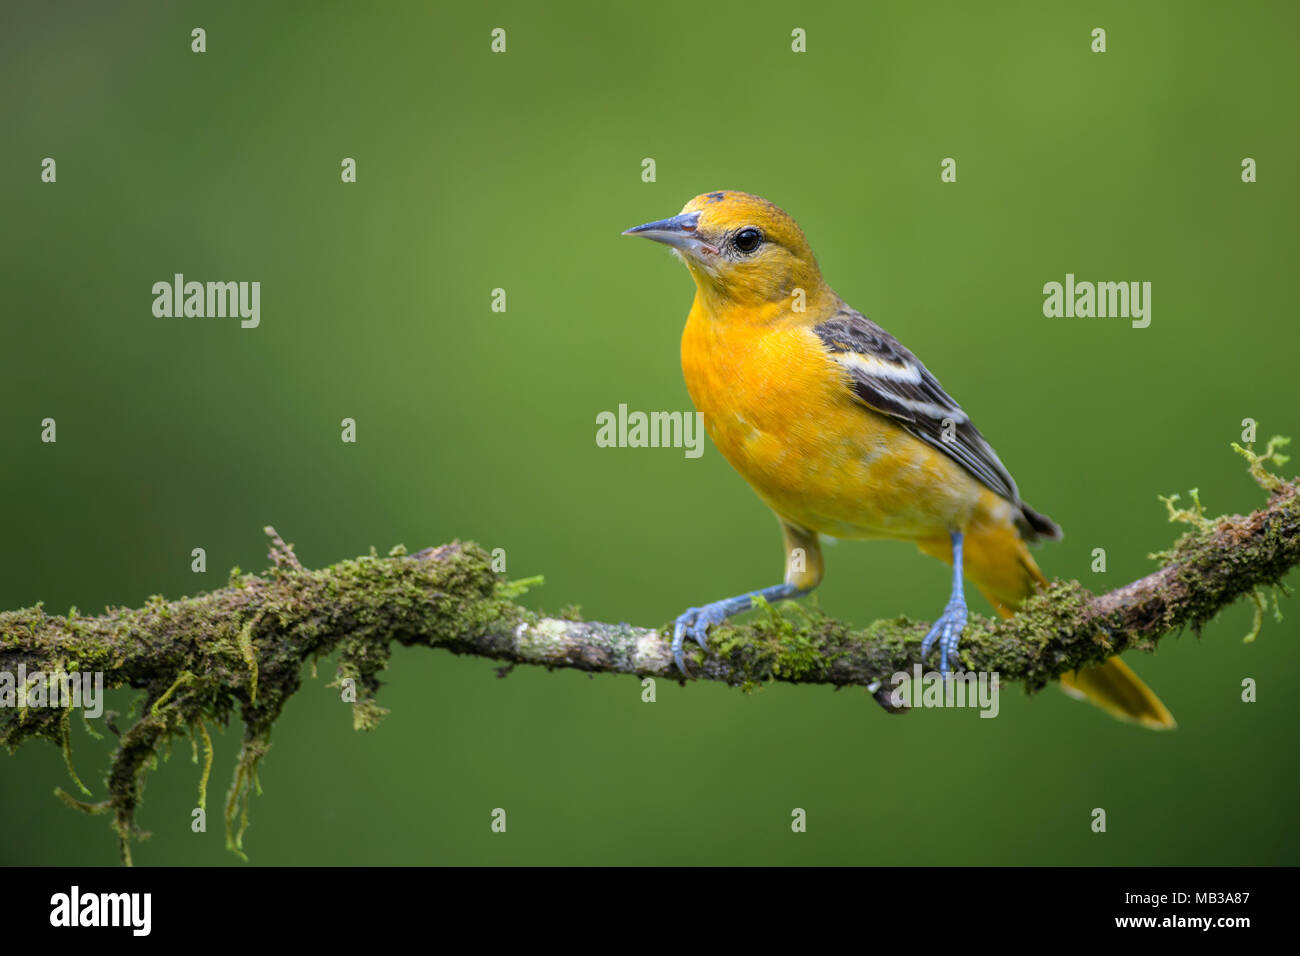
{"x":197,"y":660}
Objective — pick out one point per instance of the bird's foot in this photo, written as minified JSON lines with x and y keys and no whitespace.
{"x":947,"y":631}
{"x":694,"y":623}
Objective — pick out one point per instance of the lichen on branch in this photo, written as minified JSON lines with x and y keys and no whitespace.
{"x":243,"y":647}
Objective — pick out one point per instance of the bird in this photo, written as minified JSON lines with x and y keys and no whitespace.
{"x":843,"y":432}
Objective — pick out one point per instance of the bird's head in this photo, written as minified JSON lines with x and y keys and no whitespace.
{"x":741,"y":249}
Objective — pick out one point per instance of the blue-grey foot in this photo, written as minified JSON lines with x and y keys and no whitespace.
{"x":695,"y":622}
{"x":947,"y":629}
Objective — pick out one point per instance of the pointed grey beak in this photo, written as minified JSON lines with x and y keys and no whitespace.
{"x":678,"y":232}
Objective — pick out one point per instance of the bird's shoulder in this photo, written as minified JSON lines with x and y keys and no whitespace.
{"x":883,"y":369}
{"x":885,"y":376}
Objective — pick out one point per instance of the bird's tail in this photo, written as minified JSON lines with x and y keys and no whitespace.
{"x":996,"y":559}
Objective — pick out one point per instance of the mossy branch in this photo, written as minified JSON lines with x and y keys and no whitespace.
{"x":243,"y":647}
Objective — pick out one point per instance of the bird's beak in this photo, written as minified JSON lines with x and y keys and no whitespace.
{"x":678,"y":232}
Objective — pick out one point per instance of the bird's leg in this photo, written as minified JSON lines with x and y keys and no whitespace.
{"x":947,"y":629}
{"x":695,"y":622}
{"x":803,"y":572}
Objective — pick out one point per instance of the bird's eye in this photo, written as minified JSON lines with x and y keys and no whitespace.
{"x":748,"y":239}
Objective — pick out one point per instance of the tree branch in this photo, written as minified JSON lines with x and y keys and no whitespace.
{"x":197,"y":659}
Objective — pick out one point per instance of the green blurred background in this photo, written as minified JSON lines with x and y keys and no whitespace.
{"x":518,"y":171}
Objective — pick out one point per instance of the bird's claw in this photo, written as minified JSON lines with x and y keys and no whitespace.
{"x":694,"y":623}
{"x":947,"y":631}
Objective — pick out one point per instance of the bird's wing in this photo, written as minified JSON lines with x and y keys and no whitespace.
{"x":889,"y":379}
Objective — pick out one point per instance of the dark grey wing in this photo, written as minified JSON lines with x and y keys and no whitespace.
{"x":889,"y":379}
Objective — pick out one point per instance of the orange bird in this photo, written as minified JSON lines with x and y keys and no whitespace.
{"x":840,"y":430}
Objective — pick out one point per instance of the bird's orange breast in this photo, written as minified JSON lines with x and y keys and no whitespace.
{"x":782,"y":412}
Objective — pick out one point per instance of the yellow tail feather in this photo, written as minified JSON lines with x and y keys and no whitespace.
{"x":1000,"y":565}
{"x":1113,"y":687}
